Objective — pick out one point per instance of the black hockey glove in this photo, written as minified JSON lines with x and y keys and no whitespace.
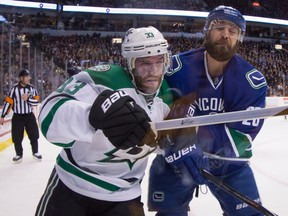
{"x":183,"y":154}
{"x":123,"y":121}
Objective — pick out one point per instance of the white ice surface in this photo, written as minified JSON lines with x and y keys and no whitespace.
{"x":21,"y":185}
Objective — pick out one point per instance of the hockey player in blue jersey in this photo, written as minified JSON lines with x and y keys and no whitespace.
{"x":216,"y":80}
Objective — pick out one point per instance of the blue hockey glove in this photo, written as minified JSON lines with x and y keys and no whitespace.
{"x":183,"y":154}
{"x":122,"y":121}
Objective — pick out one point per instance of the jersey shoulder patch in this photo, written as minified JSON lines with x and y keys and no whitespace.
{"x":100,"y":68}
{"x":112,"y":76}
{"x":256,"y":79}
{"x":183,"y":60}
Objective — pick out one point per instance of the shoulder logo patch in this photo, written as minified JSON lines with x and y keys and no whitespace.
{"x":100,"y":68}
{"x":256,"y":79}
{"x":176,"y":65}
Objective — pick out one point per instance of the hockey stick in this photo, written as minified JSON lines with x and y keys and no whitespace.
{"x":220,"y":118}
{"x":236,"y":194}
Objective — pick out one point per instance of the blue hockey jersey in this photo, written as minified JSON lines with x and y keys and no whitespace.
{"x":240,"y":87}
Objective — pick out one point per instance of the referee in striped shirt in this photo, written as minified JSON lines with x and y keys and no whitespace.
{"x":21,"y":99}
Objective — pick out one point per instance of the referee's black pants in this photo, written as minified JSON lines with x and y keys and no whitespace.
{"x":21,"y":122}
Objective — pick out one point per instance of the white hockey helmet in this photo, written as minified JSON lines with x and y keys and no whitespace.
{"x":144,"y":42}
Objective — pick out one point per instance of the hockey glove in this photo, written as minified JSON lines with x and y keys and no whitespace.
{"x":122,"y":121}
{"x":184,"y":155}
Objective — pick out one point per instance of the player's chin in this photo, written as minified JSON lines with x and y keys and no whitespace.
{"x":150,"y":87}
{"x":222,"y":47}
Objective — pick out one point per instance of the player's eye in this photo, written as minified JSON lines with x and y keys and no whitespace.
{"x":232,"y":29}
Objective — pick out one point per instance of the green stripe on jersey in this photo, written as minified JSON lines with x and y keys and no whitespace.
{"x":49,"y":118}
{"x":79,"y":173}
{"x":242,"y":143}
{"x":165,"y":93}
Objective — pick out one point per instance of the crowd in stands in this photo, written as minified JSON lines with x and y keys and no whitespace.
{"x":84,"y":51}
{"x":266,"y":8}
{"x":41,"y":19}
{"x":106,"y":22}
{"x":51,"y":56}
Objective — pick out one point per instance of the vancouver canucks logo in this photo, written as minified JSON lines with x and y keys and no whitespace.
{"x":256,"y":79}
{"x":176,"y":65}
{"x":129,"y":156}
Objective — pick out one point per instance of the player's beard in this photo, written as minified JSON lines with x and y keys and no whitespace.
{"x":220,"y":50}
{"x":146,"y":87}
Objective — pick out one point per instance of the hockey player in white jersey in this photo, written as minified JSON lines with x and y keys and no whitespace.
{"x":101,"y":117}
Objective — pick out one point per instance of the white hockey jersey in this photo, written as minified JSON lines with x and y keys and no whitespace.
{"x":91,"y":165}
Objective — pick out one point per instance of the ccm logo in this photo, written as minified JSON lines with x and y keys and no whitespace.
{"x":112,"y":99}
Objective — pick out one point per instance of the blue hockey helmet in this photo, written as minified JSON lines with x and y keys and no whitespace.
{"x":229,"y":14}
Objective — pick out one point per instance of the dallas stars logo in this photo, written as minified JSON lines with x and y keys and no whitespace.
{"x":129,"y":156}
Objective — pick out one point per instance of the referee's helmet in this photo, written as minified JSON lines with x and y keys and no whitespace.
{"x":24,"y":72}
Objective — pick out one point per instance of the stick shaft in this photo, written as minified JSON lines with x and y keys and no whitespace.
{"x":221,"y":118}
{"x":236,"y":194}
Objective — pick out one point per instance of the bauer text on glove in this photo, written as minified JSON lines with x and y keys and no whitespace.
{"x":122,"y":121}
{"x":190,"y":158}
